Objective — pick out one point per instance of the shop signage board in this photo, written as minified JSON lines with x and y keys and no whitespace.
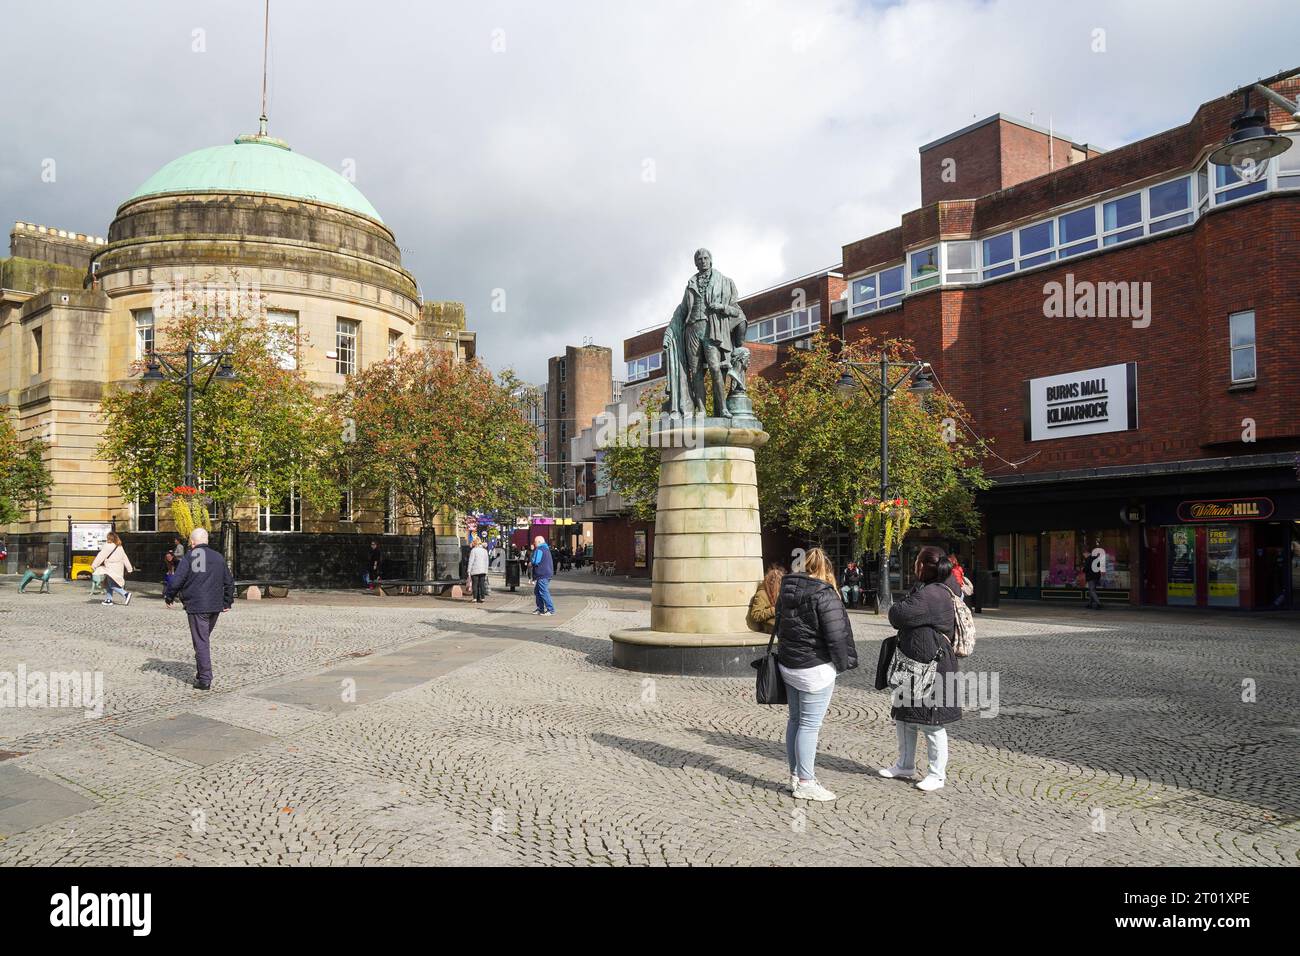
{"x":1091,"y":401}
{"x":1226,"y":509}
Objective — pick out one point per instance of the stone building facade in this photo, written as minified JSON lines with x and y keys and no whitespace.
{"x":77,"y":311}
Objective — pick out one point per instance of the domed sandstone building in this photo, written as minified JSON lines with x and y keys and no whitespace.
{"x":77,"y":310}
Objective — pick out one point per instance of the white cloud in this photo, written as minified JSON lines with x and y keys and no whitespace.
{"x":778,"y":131}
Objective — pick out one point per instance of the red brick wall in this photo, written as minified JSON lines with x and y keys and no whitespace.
{"x":984,"y":342}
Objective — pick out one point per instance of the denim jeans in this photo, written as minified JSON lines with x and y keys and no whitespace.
{"x":111,"y":587}
{"x":936,"y":747}
{"x":542,"y":592}
{"x":807,"y":708}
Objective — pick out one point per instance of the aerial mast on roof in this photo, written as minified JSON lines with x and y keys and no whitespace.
{"x":266,"y":34}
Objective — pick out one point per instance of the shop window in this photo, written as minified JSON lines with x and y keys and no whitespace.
{"x":1222,"y":566}
{"x":1026,"y":570}
{"x":1180,"y":565}
{"x":1060,"y":567}
{"x":1115,"y":569}
{"x":1002,"y":558}
{"x":1241,"y":331}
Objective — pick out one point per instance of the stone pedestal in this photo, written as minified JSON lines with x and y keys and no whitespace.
{"x":708,"y":555}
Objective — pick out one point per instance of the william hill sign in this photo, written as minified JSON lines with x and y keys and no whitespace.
{"x":1226,"y":509}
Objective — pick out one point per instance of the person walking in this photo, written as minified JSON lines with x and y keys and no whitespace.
{"x":762,"y":606}
{"x":1092,"y":577}
{"x":852,"y":585}
{"x":543,"y":567}
{"x":958,"y":572}
{"x":477,"y":569}
{"x":374,"y":572}
{"x":814,"y":645}
{"x":206,"y":588}
{"x":112,"y":558}
{"x":926,"y":620}
{"x":169,"y":567}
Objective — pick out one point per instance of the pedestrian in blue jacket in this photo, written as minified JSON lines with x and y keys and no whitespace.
{"x":206,"y":588}
{"x":543,"y":571}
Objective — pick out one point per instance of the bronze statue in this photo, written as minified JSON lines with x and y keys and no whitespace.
{"x":706,"y":333}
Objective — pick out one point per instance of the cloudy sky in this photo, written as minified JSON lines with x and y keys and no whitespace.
{"x":574,"y":153}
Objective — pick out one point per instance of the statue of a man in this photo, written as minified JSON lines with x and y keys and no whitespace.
{"x":701,"y":337}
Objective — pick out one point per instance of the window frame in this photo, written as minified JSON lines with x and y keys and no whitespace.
{"x":292,"y":358}
{"x":918,"y":282}
{"x":346,"y":331}
{"x":1234,"y":349}
{"x":265,"y":515}
{"x":138,"y":514}
{"x":151,"y":327}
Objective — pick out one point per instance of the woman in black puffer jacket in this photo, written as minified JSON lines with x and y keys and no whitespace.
{"x":926,"y":620}
{"x":815,"y":645}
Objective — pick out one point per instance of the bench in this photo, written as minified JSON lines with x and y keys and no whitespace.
{"x":409,"y":586}
{"x":265,"y":588}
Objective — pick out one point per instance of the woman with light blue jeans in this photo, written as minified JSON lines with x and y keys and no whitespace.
{"x":814,"y":645}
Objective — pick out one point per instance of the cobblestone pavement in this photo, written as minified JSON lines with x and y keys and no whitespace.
{"x":347,"y":729}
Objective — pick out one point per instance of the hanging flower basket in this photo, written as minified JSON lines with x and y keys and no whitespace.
{"x":883,"y":524}
{"x":190,"y":510}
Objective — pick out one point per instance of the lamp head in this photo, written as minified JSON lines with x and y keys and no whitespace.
{"x":1251,"y":143}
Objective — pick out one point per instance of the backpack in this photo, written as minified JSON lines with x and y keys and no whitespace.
{"x":963,"y":643}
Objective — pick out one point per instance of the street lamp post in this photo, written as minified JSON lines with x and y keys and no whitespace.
{"x":919,"y":375}
{"x":215,"y":364}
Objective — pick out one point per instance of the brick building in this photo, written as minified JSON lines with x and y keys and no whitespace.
{"x":1122,"y":327}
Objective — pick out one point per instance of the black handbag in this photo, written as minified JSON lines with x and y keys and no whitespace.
{"x":887,"y":648}
{"x":769,"y":686}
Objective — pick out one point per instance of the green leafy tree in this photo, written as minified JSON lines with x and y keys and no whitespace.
{"x":25,"y":481}
{"x":257,"y":438}
{"x":823,"y":457}
{"x":631,"y":466}
{"x":443,"y":435}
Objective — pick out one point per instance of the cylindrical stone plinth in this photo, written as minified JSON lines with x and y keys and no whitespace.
{"x":708,"y":558}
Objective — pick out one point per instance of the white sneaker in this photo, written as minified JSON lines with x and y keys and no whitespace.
{"x":812,"y":790}
{"x":128,"y":598}
{"x":794,"y":782}
{"x":929,"y":783}
{"x":896,"y":771}
{"x":107,"y":602}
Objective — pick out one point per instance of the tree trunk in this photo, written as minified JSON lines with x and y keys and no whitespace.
{"x":427,"y":557}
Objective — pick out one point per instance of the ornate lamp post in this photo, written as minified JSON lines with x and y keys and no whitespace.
{"x":918,"y":374}
{"x":168,"y":367}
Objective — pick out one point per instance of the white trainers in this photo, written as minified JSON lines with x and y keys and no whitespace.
{"x":812,"y":790}
{"x":794,"y":782}
{"x":107,"y":602}
{"x":127,"y":599}
{"x":896,"y":771}
{"x":929,"y":783}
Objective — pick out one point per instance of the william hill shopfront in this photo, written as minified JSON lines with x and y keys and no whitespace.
{"x":1178,"y":538}
{"x":1209,"y":533}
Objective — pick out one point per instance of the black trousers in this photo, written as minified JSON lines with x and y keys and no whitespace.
{"x":480,"y":586}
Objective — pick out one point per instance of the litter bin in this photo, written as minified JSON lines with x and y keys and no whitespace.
{"x":988,"y":585}
{"x":514,"y":568}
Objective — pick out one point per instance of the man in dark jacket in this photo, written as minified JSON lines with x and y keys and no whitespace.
{"x":543,"y":566}
{"x":206,"y":588}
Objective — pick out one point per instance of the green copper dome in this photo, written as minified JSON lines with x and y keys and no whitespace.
{"x":256,"y":164}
